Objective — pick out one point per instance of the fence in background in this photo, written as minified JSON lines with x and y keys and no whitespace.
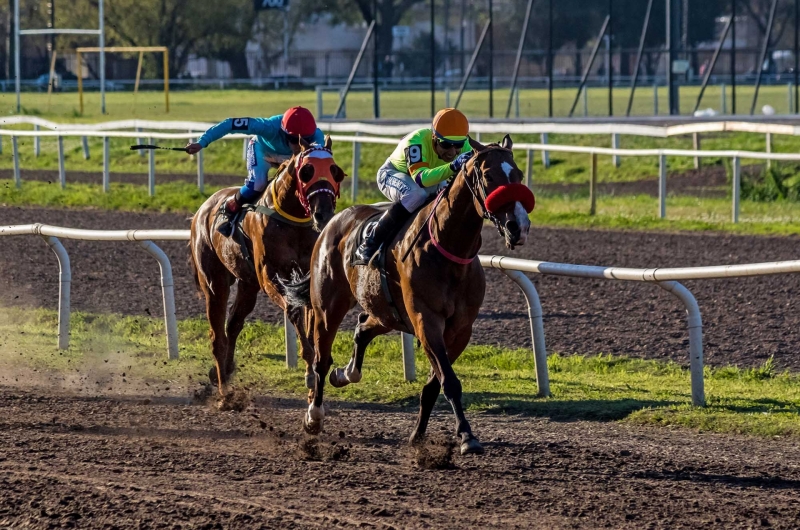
{"x":144,"y":129}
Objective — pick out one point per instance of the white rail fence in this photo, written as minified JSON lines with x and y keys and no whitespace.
{"x":665,"y":278}
{"x":735,"y":156}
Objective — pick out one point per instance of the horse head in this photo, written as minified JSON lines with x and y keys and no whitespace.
{"x":319,"y":179}
{"x":496,"y":182}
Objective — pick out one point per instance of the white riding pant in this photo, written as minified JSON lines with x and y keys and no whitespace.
{"x":400,"y":187}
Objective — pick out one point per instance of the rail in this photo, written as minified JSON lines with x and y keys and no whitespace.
{"x":357,"y":140}
{"x":514,"y":268}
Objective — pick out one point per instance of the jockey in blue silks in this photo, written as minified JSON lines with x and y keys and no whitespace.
{"x":275,"y":140}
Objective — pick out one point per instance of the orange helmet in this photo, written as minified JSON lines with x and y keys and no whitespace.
{"x":450,"y":124}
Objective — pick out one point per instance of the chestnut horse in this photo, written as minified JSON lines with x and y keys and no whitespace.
{"x":436,"y":284}
{"x":279,"y":237}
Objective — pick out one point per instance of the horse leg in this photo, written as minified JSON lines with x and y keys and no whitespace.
{"x":427,"y":399}
{"x":326,"y":324}
{"x":299,"y":318}
{"x":432,"y":338}
{"x":366,"y":330}
{"x":245,"y":301}
{"x":216,"y":308}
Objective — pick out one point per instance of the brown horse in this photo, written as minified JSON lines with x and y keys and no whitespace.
{"x":435,"y":282}
{"x":278,"y":238}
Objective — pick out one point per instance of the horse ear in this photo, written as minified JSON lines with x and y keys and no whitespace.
{"x":305,"y":145}
{"x":506,"y":143}
{"x":291,"y":165}
{"x":476,"y":145}
{"x":328,"y":142}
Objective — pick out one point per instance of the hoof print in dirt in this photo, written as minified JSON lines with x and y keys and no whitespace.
{"x":434,"y":453}
{"x":234,"y":400}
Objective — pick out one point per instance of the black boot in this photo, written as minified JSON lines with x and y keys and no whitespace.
{"x":227,"y":214}
{"x":387,"y":227}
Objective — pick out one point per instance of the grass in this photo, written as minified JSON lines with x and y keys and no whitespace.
{"x":757,"y":401}
{"x":212,"y":105}
{"x":638,"y":212}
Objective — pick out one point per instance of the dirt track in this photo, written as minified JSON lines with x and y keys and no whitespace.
{"x":745,"y":320}
{"x":141,"y":462}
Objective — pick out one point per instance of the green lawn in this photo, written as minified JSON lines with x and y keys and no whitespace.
{"x":212,"y":105}
{"x":600,"y":388}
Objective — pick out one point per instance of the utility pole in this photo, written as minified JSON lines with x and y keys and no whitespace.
{"x":673,"y":31}
{"x":491,"y":61}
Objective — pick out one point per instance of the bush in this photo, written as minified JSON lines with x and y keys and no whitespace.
{"x":777,"y":183}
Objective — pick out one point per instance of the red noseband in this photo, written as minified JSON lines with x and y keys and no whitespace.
{"x":510,"y":193}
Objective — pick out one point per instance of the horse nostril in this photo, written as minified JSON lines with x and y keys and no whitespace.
{"x":512,"y":227}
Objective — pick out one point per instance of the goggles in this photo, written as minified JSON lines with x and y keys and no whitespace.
{"x":449,"y":144}
{"x":294,"y":139}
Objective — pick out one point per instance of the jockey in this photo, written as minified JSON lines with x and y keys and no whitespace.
{"x":275,"y":140}
{"x":422,"y":161}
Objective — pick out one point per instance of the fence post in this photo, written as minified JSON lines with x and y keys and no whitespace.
{"x":585,"y":102}
{"x":201,"y":179}
{"x":356,"y":163}
{"x":655,"y":98}
{"x":167,"y":295}
{"x":516,"y":102}
{"x":529,"y":167}
{"x":662,"y":186}
{"x":724,"y":99}
{"x":593,"y":185}
{"x":696,"y":147}
{"x":545,"y":153}
{"x":37,"y":143}
{"x":15,"y":152}
{"x":106,"y":163}
{"x":291,"y":342}
{"x":769,"y":149}
{"x":64,"y":283}
{"x":790,"y":99}
{"x":62,"y":175}
{"x":85,"y":143}
{"x":737,"y":178}
{"x":319,"y":103}
{"x":151,"y":170}
{"x":1,"y":145}
{"x":447,"y":97}
{"x":615,"y":159}
{"x":409,"y":366}
{"x":139,"y":141}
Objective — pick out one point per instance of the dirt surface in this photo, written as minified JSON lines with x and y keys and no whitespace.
{"x":745,"y":320}
{"x":74,"y":461}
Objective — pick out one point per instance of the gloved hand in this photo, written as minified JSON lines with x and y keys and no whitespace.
{"x":459,"y":161}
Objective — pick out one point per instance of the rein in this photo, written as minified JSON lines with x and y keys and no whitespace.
{"x":485,"y":213}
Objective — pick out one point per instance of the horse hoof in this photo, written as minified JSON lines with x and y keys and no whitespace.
{"x":212,"y":376}
{"x":311,"y":380}
{"x":471,"y":447}
{"x":312,"y":427}
{"x":337,"y":378}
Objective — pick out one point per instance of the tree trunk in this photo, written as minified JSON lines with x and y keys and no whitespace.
{"x":238,"y":62}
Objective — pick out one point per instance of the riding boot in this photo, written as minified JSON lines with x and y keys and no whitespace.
{"x":388,"y":225}
{"x":228,"y":213}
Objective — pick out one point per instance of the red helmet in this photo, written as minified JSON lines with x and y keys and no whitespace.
{"x":299,"y":121}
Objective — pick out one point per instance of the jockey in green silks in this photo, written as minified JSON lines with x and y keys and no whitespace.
{"x":419,"y":165}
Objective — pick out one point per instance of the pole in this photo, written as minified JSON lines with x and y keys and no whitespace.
{"x":733,"y":56}
{"x":286,"y":46}
{"x":16,"y":53}
{"x":346,"y":89}
{"x":712,"y":65}
{"x":673,"y":26}
{"x":639,"y":52}
{"x":102,"y":39}
{"x":471,"y":65}
{"x":376,"y":104}
{"x":550,"y":57}
{"x":591,"y":63}
{"x":433,"y":59}
{"x":518,"y":59}
{"x":610,"y":57}
{"x":462,"y":34}
{"x":763,"y":55}
{"x":491,"y":62}
{"x":796,"y":53}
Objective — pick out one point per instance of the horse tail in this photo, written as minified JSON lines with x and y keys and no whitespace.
{"x":297,"y":290}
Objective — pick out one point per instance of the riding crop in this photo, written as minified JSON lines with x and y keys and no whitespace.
{"x":144,"y":146}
